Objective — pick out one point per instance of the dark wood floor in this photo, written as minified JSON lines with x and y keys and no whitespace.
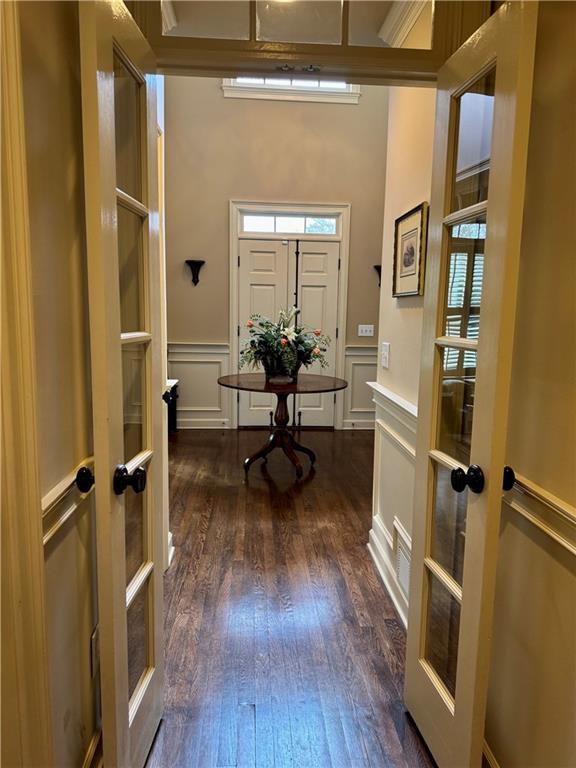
{"x":283,"y":648}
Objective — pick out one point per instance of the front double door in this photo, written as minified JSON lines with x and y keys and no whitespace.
{"x":275,"y":274}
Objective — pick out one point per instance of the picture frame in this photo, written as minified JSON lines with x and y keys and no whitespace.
{"x":410,"y":241}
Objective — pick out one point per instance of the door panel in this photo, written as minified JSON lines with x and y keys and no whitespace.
{"x":263,"y":289}
{"x":119,"y":123}
{"x":314,"y":268}
{"x":482,"y":120}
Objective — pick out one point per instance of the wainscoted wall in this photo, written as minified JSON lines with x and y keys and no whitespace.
{"x":202,"y":403}
{"x":359,"y":369}
{"x":394,"y":456}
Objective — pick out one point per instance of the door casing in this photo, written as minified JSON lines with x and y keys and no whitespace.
{"x":343,"y":212}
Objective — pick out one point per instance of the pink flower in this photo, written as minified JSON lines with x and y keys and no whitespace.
{"x":283,"y":341}
{"x":249,"y":324}
{"x":318,"y":332}
{"x":316,"y":351}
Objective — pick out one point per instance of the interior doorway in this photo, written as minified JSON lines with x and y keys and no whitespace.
{"x":290,"y":255}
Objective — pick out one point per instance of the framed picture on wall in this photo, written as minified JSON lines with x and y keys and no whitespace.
{"x":410,"y":236}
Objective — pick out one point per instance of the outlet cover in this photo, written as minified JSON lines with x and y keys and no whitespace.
{"x":365,"y":330}
{"x":385,"y":354}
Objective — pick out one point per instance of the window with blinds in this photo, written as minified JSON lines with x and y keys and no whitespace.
{"x":464,"y":294}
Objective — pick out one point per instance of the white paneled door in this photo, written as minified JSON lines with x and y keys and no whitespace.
{"x":313,"y":269}
{"x":263,"y":290}
{"x":275,"y":274}
{"x":479,"y":174}
{"x":120,"y":145}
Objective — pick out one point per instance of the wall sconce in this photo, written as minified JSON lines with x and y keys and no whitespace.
{"x":378,"y":268}
{"x":195,"y":267}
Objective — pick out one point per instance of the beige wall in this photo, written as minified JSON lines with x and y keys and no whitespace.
{"x":51,"y":69}
{"x":408,"y":179}
{"x":219,"y":149}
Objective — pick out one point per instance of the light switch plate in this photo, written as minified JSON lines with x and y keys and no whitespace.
{"x":385,"y":354}
{"x":365,"y":330}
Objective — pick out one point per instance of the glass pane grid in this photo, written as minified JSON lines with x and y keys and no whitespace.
{"x":138,"y":632}
{"x":475,"y":110}
{"x":442,"y":632}
{"x":128,"y":126}
{"x":135,"y":387}
{"x":286,"y":224}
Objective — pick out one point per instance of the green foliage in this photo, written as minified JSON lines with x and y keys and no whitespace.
{"x":284,"y":346}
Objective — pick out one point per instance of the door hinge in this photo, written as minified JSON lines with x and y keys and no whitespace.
{"x":238,"y":331}
{"x":334,"y":397}
{"x":339,"y":262}
{"x":337,"y":331}
{"x":238,"y":397}
{"x":238,"y":259}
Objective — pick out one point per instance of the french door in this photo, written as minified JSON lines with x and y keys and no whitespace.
{"x":120,"y":144}
{"x":275,"y":274}
{"x":480,"y":153}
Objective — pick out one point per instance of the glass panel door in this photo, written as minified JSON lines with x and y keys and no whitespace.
{"x":483,"y":111}
{"x":120,"y":144}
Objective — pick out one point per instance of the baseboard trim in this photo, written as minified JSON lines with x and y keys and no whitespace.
{"x":387,"y":573}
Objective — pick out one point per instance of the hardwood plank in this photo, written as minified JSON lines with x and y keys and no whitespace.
{"x":283,"y":647}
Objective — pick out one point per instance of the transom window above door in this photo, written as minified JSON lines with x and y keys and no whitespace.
{"x":291,"y":89}
{"x":282,"y":224}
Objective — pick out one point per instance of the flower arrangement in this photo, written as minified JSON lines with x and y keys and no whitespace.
{"x":283,"y":347}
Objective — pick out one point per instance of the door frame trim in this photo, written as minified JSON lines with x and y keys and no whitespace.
{"x":343,"y":212}
{"x":22,"y":546}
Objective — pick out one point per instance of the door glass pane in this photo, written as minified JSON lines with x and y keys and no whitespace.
{"x":137,"y":632}
{"x":134,"y":386}
{"x":374,"y":23}
{"x":442,"y":628}
{"x":135,"y":528}
{"x":457,"y":402}
{"x":130,"y":264}
{"x":472,"y":167}
{"x":223,"y":19}
{"x":301,"y":21}
{"x":448,"y":525}
{"x":465,"y":274}
{"x":127,"y":125}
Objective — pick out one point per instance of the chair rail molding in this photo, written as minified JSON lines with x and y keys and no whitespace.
{"x":202,"y":403}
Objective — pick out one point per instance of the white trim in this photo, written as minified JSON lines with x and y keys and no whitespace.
{"x":397,"y":440}
{"x":233,"y":90}
{"x":169,"y":18}
{"x":383,"y":394}
{"x":343,"y":212}
{"x":399,"y":21}
{"x":23,"y":569}
{"x":382,"y":561}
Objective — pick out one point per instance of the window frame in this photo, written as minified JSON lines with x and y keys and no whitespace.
{"x":231,"y":89}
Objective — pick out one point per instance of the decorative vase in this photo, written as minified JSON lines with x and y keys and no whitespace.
{"x":276,"y":372}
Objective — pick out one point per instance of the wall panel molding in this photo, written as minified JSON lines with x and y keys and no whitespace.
{"x":202,"y":403}
{"x":359,"y":368}
{"x":394,"y":466}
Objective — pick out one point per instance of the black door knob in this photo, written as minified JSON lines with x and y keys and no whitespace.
{"x":473,"y":478}
{"x":167,"y":397}
{"x":123,"y":479}
{"x":508,"y":478}
{"x":84,"y":479}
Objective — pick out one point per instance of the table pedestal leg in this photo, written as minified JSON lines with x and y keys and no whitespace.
{"x":282,"y":438}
